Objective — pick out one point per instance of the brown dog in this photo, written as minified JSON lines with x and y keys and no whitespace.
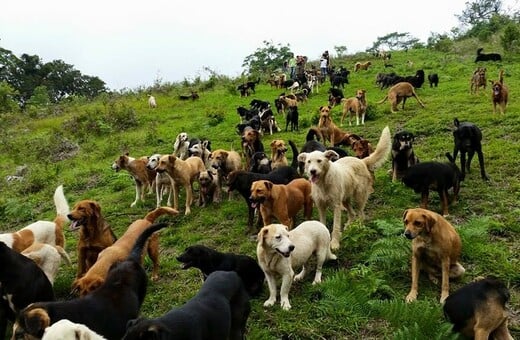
{"x":436,"y":249}
{"x":330,"y":131}
{"x":209,"y":187}
{"x":478,"y":80}
{"x":94,"y":233}
{"x":355,"y":106}
{"x":225,"y":161}
{"x":251,"y":143}
{"x":120,"y":250}
{"x":362,"y":66}
{"x":399,"y":93}
{"x":278,"y":150}
{"x":181,"y":173}
{"x":144,"y":178}
{"x":500,"y":93}
{"x":282,"y":201}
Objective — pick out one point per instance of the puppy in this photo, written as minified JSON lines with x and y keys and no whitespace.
{"x":219,"y":311}
{"x":278,"y":150}
{"x":478,"y":80}
{"x":163,"y":183}
{"x":107,"y":309}
{"x":399,"y":93}
{"x":182,"y":173}
{"x":144,"y":178}
{"x":279,"y":252}
{"x":47,"y":257}
{"x":181,"y":146}
{"x":403,"y":155}
{"x":478,"y":310}
{"x":343,"y":183}
{"x":423,"y":177}
{"x":433,"y":79}
{"x":292,"y":118}
{"x":95,"y":276}
{"x":209,"y":184}
{"x":94,"y":233}
{"x":282,"y":201}
{"x":500,"y":93}
{"x":355,"y":106}
{"x":67,"y":330}
{"x":467,"y":139}
{"x":209,"y":260}
{"x":436,"y":249}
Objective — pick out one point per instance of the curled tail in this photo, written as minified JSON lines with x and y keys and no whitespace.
{"x":383,"y":100}
{"x":62,"y":206}
{"x":137,"y":250}
{"x":294,"y":163}
{"x":379,"y":156}
{"x":152,"y":215}
{"x":313,"y":132}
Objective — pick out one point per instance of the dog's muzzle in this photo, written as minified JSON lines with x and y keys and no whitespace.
{"x":409,"y":235}
{"x":286,"y":253}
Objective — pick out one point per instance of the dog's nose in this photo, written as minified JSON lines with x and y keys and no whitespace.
{"x":408,"y":234}
{"x":291,"y":247}
{"x":312,"y":172}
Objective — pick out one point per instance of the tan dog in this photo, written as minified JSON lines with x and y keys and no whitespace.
{"x":288,"y":101}
{"x":120,"y":250}
{"x":399,"y":93}
{"x":144,"y":178}
{"x":280,"y":252}
{"x":436,"y":249}
{"x":282,"y":201}
{"x":251,"y":143}
{"x":362,"y":66}
{"x":209,"y":187}
{"x":182,"y":173}
{"x":478,"y":80}
{"x":500,"y":93}
{"x":330,"y":131}
{"x":94,"y":233}
{"x":225,"y":161}
{"x":47,"y":257}
{"x":355,"y":106}
{"x":278,"y":150}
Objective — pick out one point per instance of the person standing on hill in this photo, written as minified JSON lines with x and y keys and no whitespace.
{"x":292,"y":66}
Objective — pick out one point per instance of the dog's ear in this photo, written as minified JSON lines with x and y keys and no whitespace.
{"x":268,"y":185}
{"x":430,"y":221}
{"x":172,"y":158}
{"x":404,"y":214}
{"x":302,"y":157}
{"x":261,"y":234}
{"x":96,"y":209}
{"x":273,"y":143}
{"x":331,"y":155}
{"x":456,"y":122}
{"x":35,"y":321}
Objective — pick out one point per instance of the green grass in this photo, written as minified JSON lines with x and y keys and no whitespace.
{"x":362,"y":295}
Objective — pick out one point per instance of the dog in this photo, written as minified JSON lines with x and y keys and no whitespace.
{"x":163,"y":183}
{"x":438,"y":176}
{"x":151,"y":102}
{"x":433,"y":79}
{"x":355,"y":106}
{"x":209,"y":260}
{"x":200,"y":148}
{"x":436,"y":248}
{"x":96,"y":275}
{"x":225,"y":161}
{"x":335,"y":96}
{"x":67,"y":330}
{"x":478,"y":80}
{"x":487,"y":56}
{"x":278,"y":150}
{"x":330,"y":131}
{"x":282,"y":201}
{"x":399,"y":93}
{"x":292,"y":118}
{"x":467,"y":139}
{"x":41,"y":231}
{"x":341,"y":183}
{"x":294,"y":86}
{"x":193,"y":96}
{"x":362,"y":147}
{"x":362,"y":66}
{"x":144,"y":178}
{"x":260,"y":163}
{"x":280,"y":251}
{"x":478,"y":309}
{"x":209,"y":184}
{"x":47,"y":257}
{"x":105,"y":310}
{"x":500,"y":93}
{"x":241,"y":181}
{"x":182,"y":173}
{"x":403,"y":155}
{"x":219,"y":311}
{"x":94,"y":233}
{"x":181,"y":146}
{"x":22,"y":282}
{"x":251,"y":143}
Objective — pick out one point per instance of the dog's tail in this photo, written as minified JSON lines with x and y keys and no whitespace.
{"x":294,"y":163}
{"x":62,"y":210}
{"x":450,"y":157}
{"x":383,"y":100}
{"x":313,"y":132}
{"x":152,"y":215}
{"x":137,"y":250}
{"x":379,"y":156}
{"x":501,"y":77}
{"x":63,"y":255}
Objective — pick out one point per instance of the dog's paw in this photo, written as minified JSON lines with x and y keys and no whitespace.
{"x":334,"y":244}
{"x":269,"y":303}
{"x":444,"y":296}
{"x":285,"y":304}
{"x":411,"y":297}
{"x":298,"y":277}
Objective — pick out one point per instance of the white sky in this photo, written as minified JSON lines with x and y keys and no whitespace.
{"x":129,"y":44}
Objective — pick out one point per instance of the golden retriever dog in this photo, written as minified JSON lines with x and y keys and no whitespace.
{"x":209,"y":184}
{"x":120,"y":250}
{"x":182,"y":173}
{"x":47,"y":257}
{"x":94,"y":233}
{"x":68,"y":330}
{"x":355,"y":106}
{"x":362,"y":66}
{"x":278,"y":150}
{"x":500,"y":93}
{"x":280,"y":252}
{"x":282,"y":201}
{"x":436,"y":248}
{"x":478,"y":80}
{"x":49,"y":232}
{"x":330,"y":131}
{"x":399,"y":93}
{"x":343,"y":183}
{"x":144,"y":178}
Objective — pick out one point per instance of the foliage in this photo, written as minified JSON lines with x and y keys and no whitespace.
{"x":394,"y":41}
{"x":7,"y":98}
{"x":267,"y":58}
{"x":479,"y":11}
{"x":340,"y":50}
{"x":510,"y":40}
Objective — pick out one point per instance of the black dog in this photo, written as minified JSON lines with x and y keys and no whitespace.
{"x":241,"y":181}
{"x":292,"y":118}
{"x":435,"y":176}
{"x":209,"y":260}
{"x":487,"y":56}
{"x":107,"y":309}
{"x":218,"y":311}
{"x":21,"y":282}
{"x":260,"y":163}
{"x":403,"y":155}
{"x":433,"y":79}
{"x":467,"y":138}
{"x":478,"y":309}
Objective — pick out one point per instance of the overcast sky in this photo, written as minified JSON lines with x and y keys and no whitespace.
{"x":129,"y":44}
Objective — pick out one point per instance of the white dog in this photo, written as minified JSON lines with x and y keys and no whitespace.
{"x":151,"y":102}
{"x":295,"y":86}
{"x":279,"y":252}
{"x":181,"y":145}
{"x":162,"y":181}
{"x":342,"y":183}
{"x":68,"y":330}
{"x":47,"y":257}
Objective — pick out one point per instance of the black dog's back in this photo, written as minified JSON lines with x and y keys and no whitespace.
{"x":431,"y":175}
{"x":467,"y":139}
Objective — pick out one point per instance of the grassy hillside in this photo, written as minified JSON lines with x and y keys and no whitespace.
{"x":362,"y":295}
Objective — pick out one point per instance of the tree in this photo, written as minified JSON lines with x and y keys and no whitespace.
{"x":7,"y":98}
{"x":267,"y":58}
{"x":394,"y":41}
{"x":340,"y":50}
{"x":479,"y":11}
{"x":510,"y":40}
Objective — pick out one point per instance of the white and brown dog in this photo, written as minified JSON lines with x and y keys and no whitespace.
{"x":278,"y":150}
{"x":68,"y":330}
{"x":181,"y":146}
{"x":144,"y":178}
{"x":163,"y":183}
{"x":47,"y":257}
